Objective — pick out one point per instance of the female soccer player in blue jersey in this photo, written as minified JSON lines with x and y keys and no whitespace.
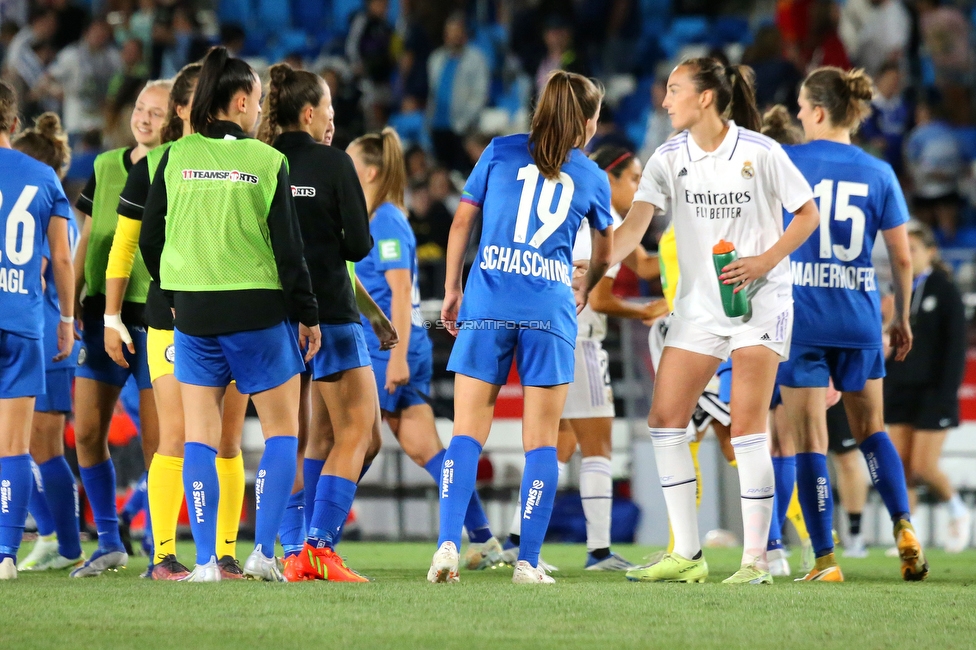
{"x":534,"y":190}
{"x":54,"y":504}
{"x":33,"y":212}
{"x":837,"y":332}
{"x":389,"y":274}
{"x":723,"y":182}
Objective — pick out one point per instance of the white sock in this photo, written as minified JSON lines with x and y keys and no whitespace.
{"x":756,"y":489}
{"x":677,"y":473}
{"x":956,"y":506}
{"x":596,"y":490}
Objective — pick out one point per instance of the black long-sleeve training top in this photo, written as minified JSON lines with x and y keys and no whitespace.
{"x":208,"y":313}
{"x":938,"y":356}
{"x":333,"y":218}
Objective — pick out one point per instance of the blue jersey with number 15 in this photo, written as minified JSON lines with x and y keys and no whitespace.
{"x":835,"y":294}
{"x":30,"y":194}
{"x":523,"y":271}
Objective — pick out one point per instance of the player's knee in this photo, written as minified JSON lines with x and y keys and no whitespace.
{"x":657,"y":420}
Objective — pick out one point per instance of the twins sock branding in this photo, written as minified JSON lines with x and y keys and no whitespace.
{"x":533,"y":499}
{"x":822,"y":495}
{"x":447,"y":478}
{"x":259,"y":488}
{"x":5,"y":496}
{"x":199,"y":501}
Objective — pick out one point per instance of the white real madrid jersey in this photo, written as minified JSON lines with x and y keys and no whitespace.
{"x":736,"y":193}
{"x":592,"y":325}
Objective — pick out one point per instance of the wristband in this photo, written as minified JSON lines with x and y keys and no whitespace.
{"x":114,"y":321}
{"x":68,"y":319}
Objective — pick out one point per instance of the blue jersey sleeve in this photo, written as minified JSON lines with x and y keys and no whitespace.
{"x":894,"y":210}
{"x":393,"y":248}
{"x":599,"y":214}
{"x":476,"y":188}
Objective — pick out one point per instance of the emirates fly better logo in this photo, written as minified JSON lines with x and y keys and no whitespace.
{"x":233,"y":176}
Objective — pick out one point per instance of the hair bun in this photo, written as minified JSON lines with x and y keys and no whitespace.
{"x":279,"y":73}
{"x":859,"y":85}
{"x":777,"y":118}
{"x":48,"y":125}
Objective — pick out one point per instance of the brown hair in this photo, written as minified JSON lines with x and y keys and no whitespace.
{"x":179,"y":95}
{"x":559,"y":120}
{"x":288,"y":92}
{"x":46,"y":142}
{"x":8,"y":107}
{"x":384,"y":151}
{"x":923,"y":233}
{"x":844,"y":95}
{"x":734,"y":88}
{"x":779,"y":125}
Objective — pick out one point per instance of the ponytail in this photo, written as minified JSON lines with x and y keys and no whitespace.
{"x":844,"y":95}
{"x":179,"y":96}
{"x":559,"y":121}
{"x":778,"y":125}
{"x":221,"y":77}
{"x":384,"y":151}
{"x":734,"y":88}
{"x":8,"y":107}
{"x":289,"y":91}
{"x":46,"y":142}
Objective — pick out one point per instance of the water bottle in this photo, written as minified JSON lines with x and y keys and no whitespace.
{"x":735,"y":305}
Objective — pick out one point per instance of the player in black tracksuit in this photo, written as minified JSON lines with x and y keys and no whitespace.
{"x":922,"y":392}
{"x":335,"y":229}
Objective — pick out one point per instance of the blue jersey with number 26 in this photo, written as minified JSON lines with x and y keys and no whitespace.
{"x":30,"y":194}
{"x":523,"y":271}
{"x":835,"y":294}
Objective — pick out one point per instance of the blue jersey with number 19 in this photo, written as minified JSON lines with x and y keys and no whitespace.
{"x":523,"y":272}
{"x":835,"y":294}
{"x":30,"y":194}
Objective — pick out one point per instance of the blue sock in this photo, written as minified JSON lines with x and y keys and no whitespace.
{"x":435,"y":465}
{"x":887,"y":474}
{"x":147,"y":538}
{"x":333,"y":499}
{"x":816,"y":500}
{"x":15,"y":493}
{"x":363,"y":471}
{"x":784,"y":471}
{"x":292,"y":530}
{"x":457,"y":483}
{"x":99,"y":482}
{"x":538,"y":494}
{"x":476,"y":521}
{"x":276,"y":476}
{"x":202,"y":489}
{"x":137,"y":500}
{"x":38,"y":507}
{"x":61,"y":493}
{"x":311,"y":471}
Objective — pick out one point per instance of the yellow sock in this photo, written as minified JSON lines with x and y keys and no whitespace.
{"x":230,"y":475}
{"x":795,"y":514}
{"x":165,"y":492}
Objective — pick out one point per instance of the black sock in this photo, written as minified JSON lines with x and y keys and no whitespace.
{"x":515,"y":539}
{"x":698,"y":556}
{"x":854,"y":518}
{"x":600,"y":553}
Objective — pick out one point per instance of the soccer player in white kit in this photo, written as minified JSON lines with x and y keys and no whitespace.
{"x":722,"y":181}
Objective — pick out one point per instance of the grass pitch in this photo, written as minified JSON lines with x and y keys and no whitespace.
{"x":873,"y":609}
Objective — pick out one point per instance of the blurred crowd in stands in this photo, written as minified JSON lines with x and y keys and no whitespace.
{"x":450,"y":74}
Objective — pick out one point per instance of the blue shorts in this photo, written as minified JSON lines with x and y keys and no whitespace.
{"x":258,"y":360}
{"x":420,"y":359}
{"x":724,"y":373}
{"x":543,"y":358}
{"x":812,"y":366}
{"x":21,"y":366}
{"x":58,"y":396}
{"x":94,"y":362}
{"x":343,"y":348}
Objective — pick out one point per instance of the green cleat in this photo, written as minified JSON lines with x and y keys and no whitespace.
{"x":749,"y":574}
{"x":671,"y":568}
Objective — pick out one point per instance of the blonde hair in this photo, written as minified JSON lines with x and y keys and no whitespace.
{"x":384,"y":151}
{"x":778,"y":125}
{"x":567,"y":101}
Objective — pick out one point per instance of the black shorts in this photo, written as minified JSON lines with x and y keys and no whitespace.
{"x":839,"y":436}
{"x":922,"y":407}
{"x":952,"y":200}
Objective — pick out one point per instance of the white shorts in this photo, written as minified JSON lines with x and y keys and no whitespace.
{"x":774,"y":334}
{"x":590,"y":394}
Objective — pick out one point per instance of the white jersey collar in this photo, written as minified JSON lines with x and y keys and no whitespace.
{"x":724,"y":151}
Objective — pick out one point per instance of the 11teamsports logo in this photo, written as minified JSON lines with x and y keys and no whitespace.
{"x":233,"y":176}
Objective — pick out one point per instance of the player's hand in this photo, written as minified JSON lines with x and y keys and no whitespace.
{"x":580,"y":292}
{"x":397,"y":373}
{"x":654,"y":310}
{"x":580,"y":267}
{"x":833,"y":395}
{"x":385,"y":332}
{"x":79,"y":317}
{"x":310,"y":340}
{"x":900,"y":334}
{"x":744,"y":271}
{"x":66,"y":341}
{"x":116,"y":333}
{"x":449,"y":310}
